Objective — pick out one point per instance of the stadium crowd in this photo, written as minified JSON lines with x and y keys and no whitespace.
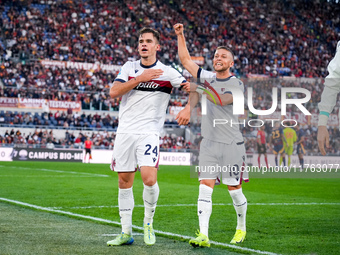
{"x":45,"y":138}
{"x":310,"y":140}
{"x":64,"y":120}
{"x":271,"y":38}
{"x":263,"y":94}
{"x":295,"y":42}
{"x":103,"y":140}
{"x":59,"y":119}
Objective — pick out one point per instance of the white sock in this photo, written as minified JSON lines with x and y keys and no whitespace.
{"x":150,"y":197}
{"x":204,"y":207}
{"x":126,"y":204}
{"x":240,"y":205}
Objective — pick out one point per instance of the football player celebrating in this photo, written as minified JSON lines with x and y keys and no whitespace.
{"x":145,"y":86}
{"x":328,"y":100}
{"x":222,"y":145}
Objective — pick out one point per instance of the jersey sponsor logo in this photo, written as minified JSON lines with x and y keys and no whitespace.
{"x":154,"y":85}
{"x":147,"y":85}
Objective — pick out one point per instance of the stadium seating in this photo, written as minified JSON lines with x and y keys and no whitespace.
{"x":270,"y":38}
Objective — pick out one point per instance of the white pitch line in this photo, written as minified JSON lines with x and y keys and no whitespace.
{"x":133,"y":226}
{"x":47,"y":176}
{"x":134,"y":234}
{"x":57,"y":171}
{"x":182,"y":205}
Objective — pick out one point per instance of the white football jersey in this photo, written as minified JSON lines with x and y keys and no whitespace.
{"x":223,"y":133}
{"x":332,"y":84}
{"x":142,"y":110}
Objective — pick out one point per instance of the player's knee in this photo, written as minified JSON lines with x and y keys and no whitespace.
{"x":234,"y":187}
{"x":124,"y":183}
{"x":150,"y":181}
{"x":208,"y":182}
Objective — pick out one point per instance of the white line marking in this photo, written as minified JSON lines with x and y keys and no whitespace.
{"x":57,"y":171}
{"x":47,"y":176}
{"x":134,"y":234}
{"x":133,"y":226}
{"x":180,"y":205}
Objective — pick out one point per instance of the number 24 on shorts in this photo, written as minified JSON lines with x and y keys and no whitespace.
{"x":148,"y":148}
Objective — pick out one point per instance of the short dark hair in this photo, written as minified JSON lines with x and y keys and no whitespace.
{"x":227,"y":49}
{"x":145,"y":30}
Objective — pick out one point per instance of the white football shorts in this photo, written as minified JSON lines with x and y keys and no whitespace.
{"x":135,"y":150}
{"x":223,"y":161}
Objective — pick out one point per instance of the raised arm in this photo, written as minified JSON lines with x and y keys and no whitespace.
{"x":183,"y":52}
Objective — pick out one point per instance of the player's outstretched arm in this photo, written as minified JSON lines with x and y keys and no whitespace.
{"x":183,"y":52}
{"x":323,"y":139}
{"x":121,"y":88}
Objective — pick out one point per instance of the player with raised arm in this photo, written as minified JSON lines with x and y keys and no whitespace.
{"x":145,"y":86}
{"x":290,"y":139}
{"x":261,"y":146}
{"x":277,"y":139}
{"x":328,"y":99}
{"x":222,"y":144}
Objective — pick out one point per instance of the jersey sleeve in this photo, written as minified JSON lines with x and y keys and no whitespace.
{"x":334,"y":69}
{"x":123,"y":75}
{"x":332,"y":84}
{"x":203,"y":75}
{"x":175,"y":77}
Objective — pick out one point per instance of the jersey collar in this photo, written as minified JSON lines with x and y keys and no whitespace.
{"x":225,"y":79}
{"x":145,"y":66}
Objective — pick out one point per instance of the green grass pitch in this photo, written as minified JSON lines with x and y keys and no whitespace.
{"x":285,"y":215}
